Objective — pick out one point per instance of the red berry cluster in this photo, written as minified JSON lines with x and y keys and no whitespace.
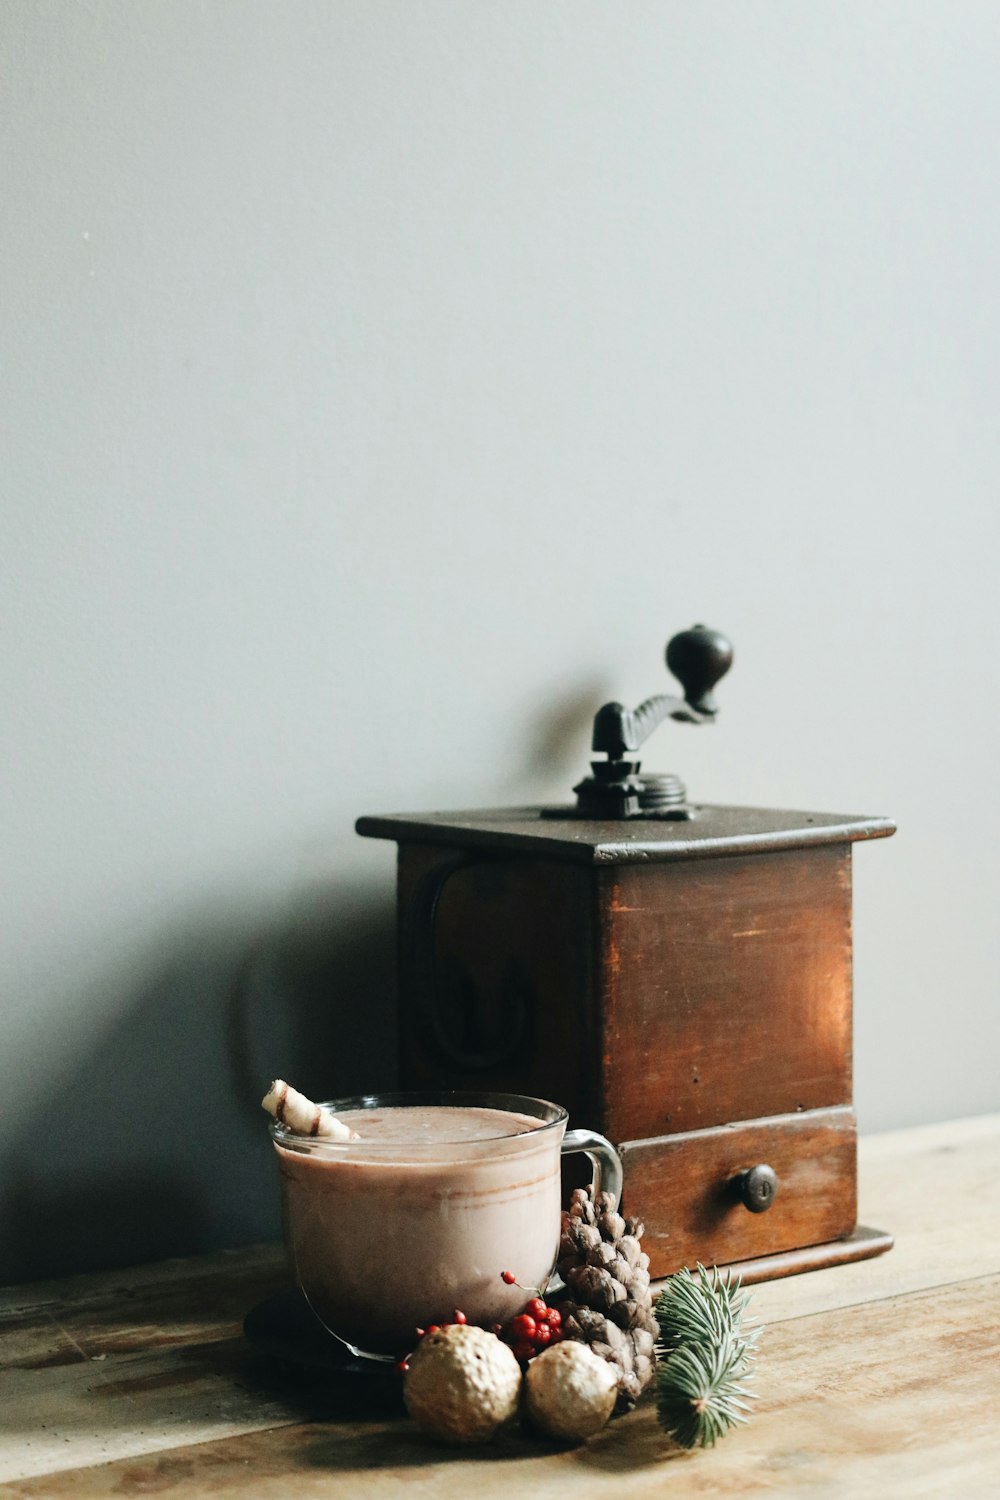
{"x":532,"y":1330}
{"x":402,"y":1365}
{"x":436,"y":1327}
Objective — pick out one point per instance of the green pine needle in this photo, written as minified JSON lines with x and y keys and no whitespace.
{"x":704,"y":1353}
{"x":700,"y":1393}
{"x":703,"y":1309}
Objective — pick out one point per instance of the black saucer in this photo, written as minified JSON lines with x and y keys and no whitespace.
{"x":285,"y":1327}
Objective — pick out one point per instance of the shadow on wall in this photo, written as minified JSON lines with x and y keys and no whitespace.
{"x":156,"y":1144}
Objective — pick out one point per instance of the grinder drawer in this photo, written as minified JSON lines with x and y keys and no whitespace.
{"x":694,"y":1193}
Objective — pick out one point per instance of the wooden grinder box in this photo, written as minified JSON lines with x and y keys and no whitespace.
{"x":681,"y":983}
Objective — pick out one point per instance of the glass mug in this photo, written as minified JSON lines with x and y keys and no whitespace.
{"x":418,"y":1217}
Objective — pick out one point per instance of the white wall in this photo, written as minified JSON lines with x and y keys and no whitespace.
{"x":383,"y":382}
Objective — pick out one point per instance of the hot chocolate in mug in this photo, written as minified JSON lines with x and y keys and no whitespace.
{"x":419,"y":1216}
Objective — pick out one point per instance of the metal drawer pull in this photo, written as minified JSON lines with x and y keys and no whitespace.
{"x":757,"y":1188}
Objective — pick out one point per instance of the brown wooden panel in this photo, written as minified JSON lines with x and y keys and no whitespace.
{"x":82,"y":1318}
{"x":506,"y":1001}
{"x":683,"y":1188}
{"x":891,"y":1398}
{"x":878,"y":1379}
{"x":864,"y":1243}
{"x":726,"y":989}
{"x":711,"y":832}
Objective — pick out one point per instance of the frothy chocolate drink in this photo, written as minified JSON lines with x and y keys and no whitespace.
{"x":420,"y":1216}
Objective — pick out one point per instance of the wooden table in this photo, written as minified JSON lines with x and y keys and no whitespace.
{"x":876,"y":1379}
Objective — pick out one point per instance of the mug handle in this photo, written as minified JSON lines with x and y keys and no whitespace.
{"x":604,"y":1158}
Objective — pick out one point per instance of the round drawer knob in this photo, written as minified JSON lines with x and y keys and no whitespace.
{"x":757,"y":1188}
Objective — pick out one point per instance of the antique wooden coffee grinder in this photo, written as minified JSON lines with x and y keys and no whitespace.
{"x":677,"y":974}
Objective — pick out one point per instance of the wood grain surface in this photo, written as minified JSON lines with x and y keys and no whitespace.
{"x":875,"y":1379}
{"x":726,"y":990}
{"x":684,"y":1188}
{"x":496,"y":969}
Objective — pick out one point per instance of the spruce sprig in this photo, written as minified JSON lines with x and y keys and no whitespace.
{"x":701,"y":1394}
{"x":703,"y":1308}
{"x":704,"y":1353}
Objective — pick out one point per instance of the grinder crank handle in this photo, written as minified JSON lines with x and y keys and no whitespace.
{"x":698,"y":658}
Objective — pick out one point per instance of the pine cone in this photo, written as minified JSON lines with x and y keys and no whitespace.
{"x":607,"y":1276}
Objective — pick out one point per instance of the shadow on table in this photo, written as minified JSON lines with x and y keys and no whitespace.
{"x":403,"y":1446}
{"x":633,"y":1442}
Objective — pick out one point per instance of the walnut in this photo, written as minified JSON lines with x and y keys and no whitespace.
{"x":462,"y":1384}
{"x":570,"y":1392}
